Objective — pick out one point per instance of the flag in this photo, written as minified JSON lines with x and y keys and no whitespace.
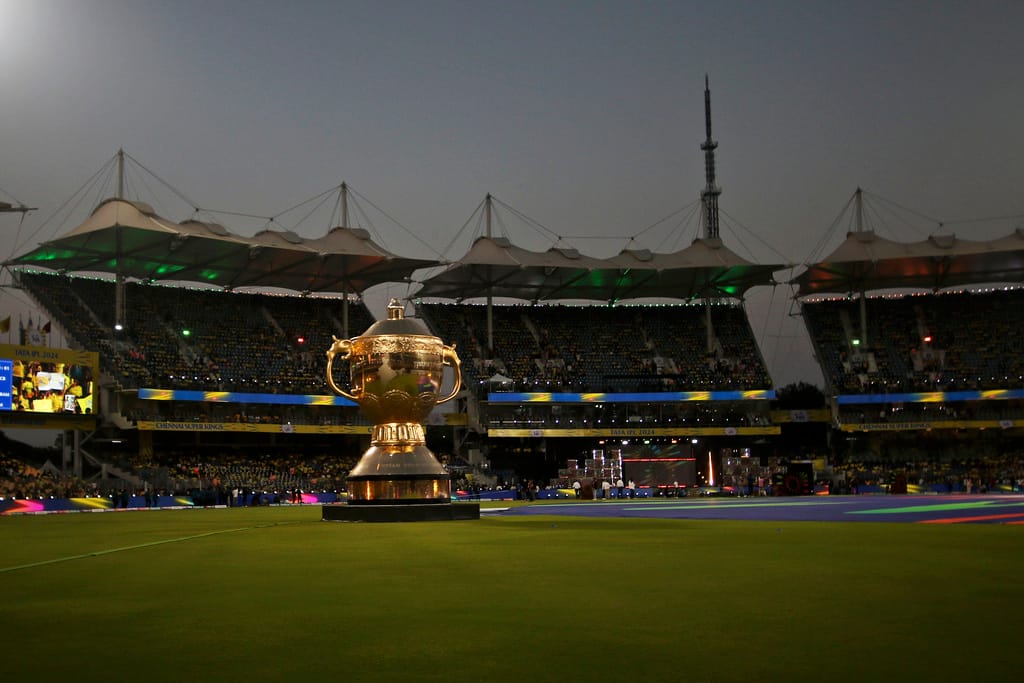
{"x":32,"y":335}
{"x":5,"y":324}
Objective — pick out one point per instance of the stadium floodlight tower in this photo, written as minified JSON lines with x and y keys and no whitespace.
{"x":397,"y":369}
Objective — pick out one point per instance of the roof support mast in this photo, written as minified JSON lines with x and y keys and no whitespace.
{"x":120,"y":174}
{"x":344,"y":204}
{"x":488,"y":208}
{"x":120,"y":307}
{"x":859,"y":206}
{"x":344,"y":287}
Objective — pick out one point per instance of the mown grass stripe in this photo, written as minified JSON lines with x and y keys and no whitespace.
{"x":108,"y":551}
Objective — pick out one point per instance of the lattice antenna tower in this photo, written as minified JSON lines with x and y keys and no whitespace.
{"x":709,"y":197}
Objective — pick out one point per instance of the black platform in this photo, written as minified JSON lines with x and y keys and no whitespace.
{"x":343,"y":512}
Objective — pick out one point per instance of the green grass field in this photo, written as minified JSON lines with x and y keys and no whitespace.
{"x":273,"y":594}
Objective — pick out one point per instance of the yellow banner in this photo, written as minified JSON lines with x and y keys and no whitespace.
{"x":635,"y":432}
{"x":23,"y":420}
{"x":44,"y":354}
{"x":925,"y":426}
{"x":253,"y":428}
{"x":815,"y":415}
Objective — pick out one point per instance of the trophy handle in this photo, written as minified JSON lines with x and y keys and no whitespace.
{"x":449,"y":357}
{"x":343,"y":346}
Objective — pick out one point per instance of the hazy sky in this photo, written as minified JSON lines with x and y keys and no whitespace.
{"x":586,"y":116}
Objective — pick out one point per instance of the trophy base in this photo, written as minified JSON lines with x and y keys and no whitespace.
{"x":406,"y":490}
{"x":402,"y":474}
{"x":434,"y":512}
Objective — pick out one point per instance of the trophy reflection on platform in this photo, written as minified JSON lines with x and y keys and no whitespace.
{"x":397,"y":368}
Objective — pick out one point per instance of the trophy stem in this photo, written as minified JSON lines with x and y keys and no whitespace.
{"x":398,"y":435}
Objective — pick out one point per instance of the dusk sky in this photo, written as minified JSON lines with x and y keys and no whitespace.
{"x":585,"y":116}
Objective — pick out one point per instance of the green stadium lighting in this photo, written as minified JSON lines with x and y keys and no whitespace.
{"x":186,"y":332}
{"x":164,"y":269}
{"x":855,"y":342}
{"x":50,"y":255}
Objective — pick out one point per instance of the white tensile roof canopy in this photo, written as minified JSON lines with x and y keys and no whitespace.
{"x":495,"y":267}
{"x":130,"y":239}
{"x":866,"y":262}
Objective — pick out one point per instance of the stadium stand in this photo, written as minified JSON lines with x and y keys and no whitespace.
{"x":605,"y":349}
{"x":211,"y":340}
{"x":949,"y":341}
{"x":21,"y":479}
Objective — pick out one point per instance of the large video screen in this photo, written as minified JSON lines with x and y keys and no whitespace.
{"x":659,"y":464}
{"x":39,"y":380}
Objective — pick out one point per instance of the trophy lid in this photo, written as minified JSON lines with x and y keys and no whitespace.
{"x":397,"y":323}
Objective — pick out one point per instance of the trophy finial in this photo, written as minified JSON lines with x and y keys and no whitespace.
{"x":396,"y":310}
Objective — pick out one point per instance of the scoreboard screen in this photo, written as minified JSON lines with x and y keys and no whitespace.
{"x":6,"y":385}
{"x":39,"y":380}
{"x":659,"y":464}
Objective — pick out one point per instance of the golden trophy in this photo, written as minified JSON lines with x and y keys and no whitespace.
{"x":396,"y":370}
